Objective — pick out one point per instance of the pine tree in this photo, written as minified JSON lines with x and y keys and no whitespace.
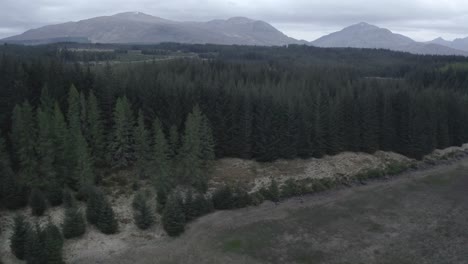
{"x":35,"y":248}
{"x":37,"y":202}
{"x":173,"y":141}
{"x":5,"y":170}
{"x":197,"y":148}
{"x":45,"y":151}
{"x":122,"y":145}
{"x":19,"y":237}
{"x":23,"y":137}
{"x":61,"y":146}
{"x":94,"y":204}
{"x":74,"y":224}
{"x":142,"y":145}
{"x":95,"y":130}
{"x":173,"y":218}
{"x":106,"y":222}
{"x":143,"y":215}
{"x":161,"y":198}
{"x":84,"y":172}
{"x":160,"y":162}
{"x":68,"y":200}
{"x":53,"y":243}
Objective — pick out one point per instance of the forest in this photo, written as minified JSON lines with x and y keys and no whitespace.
{"x":68,"y":114}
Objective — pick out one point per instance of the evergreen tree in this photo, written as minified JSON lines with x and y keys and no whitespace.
{"x":94,"y":204}
{"x":161,"y":197}
{"x":24,"y":141}
{"x":160,"y":162}
{"x":95,"y":130}
{"x":143,"y":215}
{"x":19,"y":237}
{"x":122,"y":145}
{"x":53,"y":243}
{"x":61,"y":146}
{"x":197,"y":148}
{"x":106,"y":222}
{"x":223,"y":198}
{"x":84,"y":172}
{"x":142,"y":145}
{"x":37,"y":202}
{"x":173,"y":218}
{"x":174,"y":141}
{"x":6,"y":171}
{"x":35,"y":247}
{"x":74,"y":224}
{"x":68,"y":200}
{"x":44,"y":147}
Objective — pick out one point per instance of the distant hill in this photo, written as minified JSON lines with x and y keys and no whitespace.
{"x":136,"y":27}
{"x":460,"y":43}
{"x":364,"y":35}
{"x":140,"y":28}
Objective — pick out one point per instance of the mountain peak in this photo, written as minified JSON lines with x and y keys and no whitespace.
{"x":130,"y":14}
{"x":240,"y":20}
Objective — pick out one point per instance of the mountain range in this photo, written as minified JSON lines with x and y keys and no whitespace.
{"x":137,"y":27}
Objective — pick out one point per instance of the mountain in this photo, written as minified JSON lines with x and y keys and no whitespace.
{"x":460,"y":43}
{"x":364,"y":35}
{"x":137,"y":27}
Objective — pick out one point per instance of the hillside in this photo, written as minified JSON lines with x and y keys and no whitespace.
{"x":136,"y":27}
{"x":364,"y":35}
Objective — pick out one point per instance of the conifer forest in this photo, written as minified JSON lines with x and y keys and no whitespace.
{"x":72,"y":113}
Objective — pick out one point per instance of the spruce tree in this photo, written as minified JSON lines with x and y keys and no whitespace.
{"x":19,"y":237}
{"x":122,"y":145}
{"x":44,"y":147}
{"x":197,"y":148}
{"x":23,"y":137}
{"x":53,"y":243}
{"x":173,"y":218}
{"x":143,"y":215}
{"x":160,"y":162}
{"x":94,"y":203}
{"x":74,"y":224}
{"x":35,"y":247}
{"x":106,"y":222}
{"x":61,"y":145}
{"x":142,"y":145}
{"x":84,"y":172}
{"x":6,"y":171}
{"x":174,"y":141}
{"x":95,"y":130}
{"x":38,"y":203}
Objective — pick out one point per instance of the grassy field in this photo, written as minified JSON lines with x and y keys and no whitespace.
{"x":418,"y":218}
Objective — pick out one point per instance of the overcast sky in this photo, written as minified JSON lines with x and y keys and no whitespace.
{"x":303,"y":19}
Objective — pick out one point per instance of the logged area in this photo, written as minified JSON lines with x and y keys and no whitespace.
{"x":420,"y":217}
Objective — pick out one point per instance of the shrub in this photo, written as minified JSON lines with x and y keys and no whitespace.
{"x":173,"y":216}
{"x":272,"y":193}
{"x":290,"y":189}
{"x":74,"y":224}
{"x":19,"y":237}
{"x":223,"y":198}
{"x":37,"y":202}
{"x":395,"y":168}
{"x":241,"y":198}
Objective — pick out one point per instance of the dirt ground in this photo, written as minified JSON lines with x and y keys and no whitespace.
{"x":420,"y":217}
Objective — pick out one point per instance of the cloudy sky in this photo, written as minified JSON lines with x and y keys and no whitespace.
{"x":303,"y":19}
